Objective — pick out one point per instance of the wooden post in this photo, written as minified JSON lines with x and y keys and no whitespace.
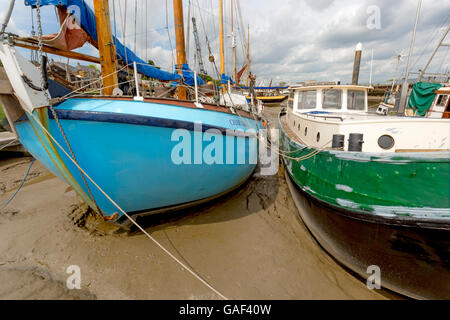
{"x":222,"y":45}
{"x":106,"y":48}
{"x":357,"y":64}
{"x":179,"y":36}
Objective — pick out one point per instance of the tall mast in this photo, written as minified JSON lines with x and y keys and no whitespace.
{"x":422,"y":72}
{"x":179,"y":35}
{"x":405,"y":86}
{"x":106,"y":48}
{"x":248,"y":54}
{"x":233,"y":45}
{"x":222,"y":45}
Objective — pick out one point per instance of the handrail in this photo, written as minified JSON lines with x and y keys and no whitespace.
{"x":325,"y":117}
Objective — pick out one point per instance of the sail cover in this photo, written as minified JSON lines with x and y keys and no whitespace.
{"x":225,"y":79}
{"x":188,"y":75}
{"x":422,"y":96}
{"x":86,"y":18}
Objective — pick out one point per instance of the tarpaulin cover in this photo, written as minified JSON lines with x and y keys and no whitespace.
{"x":87,"y":21}
{"x":422,"y":96}
{"x":188,"y":76}
{"x":225,"y":79}
{"x":265,"y":88}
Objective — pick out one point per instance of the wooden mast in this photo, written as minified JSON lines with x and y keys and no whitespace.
{"x":233,"y":44}
{"x":106,"y":48}
{"x":248,"y":54}
{"x":179,"y":36}
{"x":222,"y":45}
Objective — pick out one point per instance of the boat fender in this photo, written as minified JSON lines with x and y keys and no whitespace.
{"x":44,"y":77}
{"x":338,"y":141}
{"x":355,"y":142}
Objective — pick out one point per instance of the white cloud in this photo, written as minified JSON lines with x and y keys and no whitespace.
{"x":291,"y":40}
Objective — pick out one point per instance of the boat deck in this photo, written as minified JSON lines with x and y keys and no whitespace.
{"x":362,"y":117}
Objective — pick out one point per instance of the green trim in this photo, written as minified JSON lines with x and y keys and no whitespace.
{"x":392,"y":185}
{"x":50,"y":148}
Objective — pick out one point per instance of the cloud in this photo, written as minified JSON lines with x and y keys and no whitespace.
{"x":291,"y":40}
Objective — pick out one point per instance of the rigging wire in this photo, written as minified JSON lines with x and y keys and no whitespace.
{"x":124,"y":26}
{"x":135,"y":23}
{"x":168,"y":34}
{"x":115,"y":24}
{"x":188,"y":34}
{"x":431,"y":38}
{"x":146,"y":31}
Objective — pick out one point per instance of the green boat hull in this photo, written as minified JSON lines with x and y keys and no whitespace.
{"x":414,"y":185}
{"x":384,"y":211}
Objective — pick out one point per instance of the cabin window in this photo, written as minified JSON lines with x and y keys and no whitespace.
{"x":307,"y":99}
{"x":291,"y":100}
{"x":356,"y":100}
{"x":442,"y":100}
{"x":332,"y":99}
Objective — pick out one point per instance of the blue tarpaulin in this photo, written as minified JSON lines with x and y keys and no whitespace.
{"x":265,"y":88}
{"x":188,"y":76}
{"x":87,"y":21}
{"x":225,"y":79}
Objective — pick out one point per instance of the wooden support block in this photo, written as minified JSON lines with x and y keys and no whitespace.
{"x":5,"y":87}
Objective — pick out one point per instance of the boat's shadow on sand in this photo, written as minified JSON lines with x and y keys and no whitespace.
{"x":257,"y":194}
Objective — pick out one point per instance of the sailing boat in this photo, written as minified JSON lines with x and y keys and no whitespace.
{"x":142,"y":155}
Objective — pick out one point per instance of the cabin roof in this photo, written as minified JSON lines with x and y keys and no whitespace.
{"x":334,"y":86}
{"x":444,"y":90}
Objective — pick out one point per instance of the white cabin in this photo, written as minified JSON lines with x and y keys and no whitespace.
{"x":317,"y":112}
{"x":441,"y":104}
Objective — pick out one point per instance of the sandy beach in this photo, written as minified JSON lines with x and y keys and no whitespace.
{"x":250,"y":244}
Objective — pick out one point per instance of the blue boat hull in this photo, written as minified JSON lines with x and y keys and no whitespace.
{"x":128,"y":149}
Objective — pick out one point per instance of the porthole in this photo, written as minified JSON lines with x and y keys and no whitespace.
{"x":306,"y":131}
{"x":386,"y":142}
{"x":294,"y":123}
{"x":318,"y":136}
{"x":299,"y":127}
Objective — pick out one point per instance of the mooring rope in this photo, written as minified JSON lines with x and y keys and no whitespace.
{"x":20,"y":187}
{"x":198,"y":277}
{"x":8,"y":144}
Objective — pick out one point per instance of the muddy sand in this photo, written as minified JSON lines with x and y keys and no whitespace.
{"x":250,"y":244}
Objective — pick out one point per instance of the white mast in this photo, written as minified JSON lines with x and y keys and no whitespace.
{"x":405,"y":86}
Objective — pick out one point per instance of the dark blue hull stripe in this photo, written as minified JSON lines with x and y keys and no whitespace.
{"x":112,"y":117}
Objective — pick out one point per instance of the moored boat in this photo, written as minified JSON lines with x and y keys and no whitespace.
{"x":377,"y":186}
{"x":133,"y":153}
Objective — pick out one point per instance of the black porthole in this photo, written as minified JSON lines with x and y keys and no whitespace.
{"x":294,"y":123}
{"x":299,"y":126}
{"x":306,"y":131}
{"x":318,"y":136}
{"x":386,"y":142}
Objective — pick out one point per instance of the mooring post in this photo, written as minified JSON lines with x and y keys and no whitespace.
{"x":357,"y":63}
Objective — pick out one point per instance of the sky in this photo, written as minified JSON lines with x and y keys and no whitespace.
{"x":290,"y":40}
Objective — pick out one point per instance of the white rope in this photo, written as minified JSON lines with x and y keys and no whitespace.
{"x":8,"y":144}
{"x":126,"y":215}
